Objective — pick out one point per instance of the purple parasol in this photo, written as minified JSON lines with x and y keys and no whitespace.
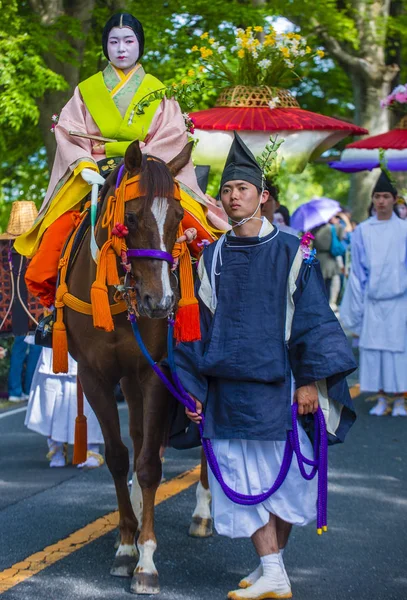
{"x":314,"y":213}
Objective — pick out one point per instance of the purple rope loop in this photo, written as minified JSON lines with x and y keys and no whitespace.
{"x":292,"y":446}
{"x":119,"y":177}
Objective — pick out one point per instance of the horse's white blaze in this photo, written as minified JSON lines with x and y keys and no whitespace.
{"x":203,"y":502}
{"x":136,"y":497}
{"x":126,"y":550}
{"x":146,"y":562}
{"x":159,"y":209}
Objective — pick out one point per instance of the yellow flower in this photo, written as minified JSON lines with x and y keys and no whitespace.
{"x":191,"y":73}
{"x":211,"y":41}
{"x":249,"y":29}
{"x":296,"y":36}
{"x":174,"y":85}
{"x":321,"y":53}
{"x":241,"y":53}
{"x":194,"y":48}
{"x":258,"y":28}
{"x":285,"y":52}
{"x":184,"y":81}
{"x":269,"y":40}
{"x":307,"y":50}
{"x":201,"y":69}
{"x":204,"y":35}
{"x":205,"y":52}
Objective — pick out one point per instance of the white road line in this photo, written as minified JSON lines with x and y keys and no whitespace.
{"x":12,"y":412}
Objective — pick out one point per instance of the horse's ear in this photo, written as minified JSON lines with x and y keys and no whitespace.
{"x":178,"y":162}
{"x":133,"y":157}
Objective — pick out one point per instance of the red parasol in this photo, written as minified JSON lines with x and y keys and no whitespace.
{"x":365,"y":154}
{"x":266,"y":119}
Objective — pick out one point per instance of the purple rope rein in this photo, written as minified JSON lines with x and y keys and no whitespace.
{"x":319,"y":464}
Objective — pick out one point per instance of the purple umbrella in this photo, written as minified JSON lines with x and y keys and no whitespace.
{"x":315,"y":212}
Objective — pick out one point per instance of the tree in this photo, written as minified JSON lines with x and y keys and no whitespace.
{"x":363,"y":37}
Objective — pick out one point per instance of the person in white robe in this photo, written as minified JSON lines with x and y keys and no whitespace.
{"x":52,"y":410}
{"x":374,"y":306}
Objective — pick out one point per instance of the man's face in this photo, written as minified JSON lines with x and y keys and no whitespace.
{"x":383,"y":203}
{"x":123,"y":48}
{"x":240,"y":199}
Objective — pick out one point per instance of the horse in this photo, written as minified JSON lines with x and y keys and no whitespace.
{"x":106,"y":358}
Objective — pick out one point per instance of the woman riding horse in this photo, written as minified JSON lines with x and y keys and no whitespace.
{"x":105,"y":107}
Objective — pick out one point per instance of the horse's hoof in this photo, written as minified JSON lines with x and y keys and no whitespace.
{"x":201,"y":527}
{"x":123,"y":566}
{"x":145,"y":583}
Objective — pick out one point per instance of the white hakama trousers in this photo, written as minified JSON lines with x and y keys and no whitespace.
{"x":251,"y":467}
{"x":52,"y":404}
{"x":383,"y":370}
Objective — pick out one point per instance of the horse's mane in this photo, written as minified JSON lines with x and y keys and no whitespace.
{"x":155,"y":180}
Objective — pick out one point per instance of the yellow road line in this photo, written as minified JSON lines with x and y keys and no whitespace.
{"x":354,"y":391}
{"x":39,"y":561}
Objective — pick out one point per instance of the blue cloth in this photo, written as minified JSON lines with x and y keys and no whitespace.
{"x":241,"y":368}
{"x":22,"y":354}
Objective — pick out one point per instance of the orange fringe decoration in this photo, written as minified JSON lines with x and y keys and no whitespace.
{"x":187,"y":323}
{"x":59,"y":337}
{"x":80,"y":448}
{"x":99,"y":295}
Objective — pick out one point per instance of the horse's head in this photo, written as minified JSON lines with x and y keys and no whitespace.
{"x":152,"y":220}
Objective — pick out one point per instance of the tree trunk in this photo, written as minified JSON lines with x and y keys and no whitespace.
{"x":371,"y":81}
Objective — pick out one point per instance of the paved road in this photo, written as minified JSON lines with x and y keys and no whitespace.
{"x":362,"y":557}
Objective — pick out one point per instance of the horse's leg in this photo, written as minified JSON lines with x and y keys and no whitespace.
{"x":132,"y":392}
{"x":149,"y":470}
{"x":100,"y":394}
{"x":202,"y":524}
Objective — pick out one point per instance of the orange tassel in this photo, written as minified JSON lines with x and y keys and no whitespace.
{"x":187,"y":324}
{"x":112,"y":275}
{"x":102,"y":317}
{"x":60,"y":348}
{"x":81,"y":443}
{"x":80,"y":448}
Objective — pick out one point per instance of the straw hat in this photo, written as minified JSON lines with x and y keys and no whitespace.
{"x":22,"y":217}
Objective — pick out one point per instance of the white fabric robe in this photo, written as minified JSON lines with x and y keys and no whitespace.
{"x":52,"y":405}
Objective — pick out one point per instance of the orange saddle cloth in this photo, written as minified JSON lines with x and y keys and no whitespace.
{"x":42,"y":272}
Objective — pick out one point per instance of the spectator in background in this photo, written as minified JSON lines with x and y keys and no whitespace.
{"x":23,"y":356}
{"x":401,"y":208}
{"x":328,"y":244}
{"x":282,"y":220}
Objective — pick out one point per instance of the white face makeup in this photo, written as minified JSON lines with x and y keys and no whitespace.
{"x":123,"y":48}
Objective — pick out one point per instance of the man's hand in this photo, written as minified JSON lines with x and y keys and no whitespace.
{"x":306,"y":397}
{"x":195,"y":416}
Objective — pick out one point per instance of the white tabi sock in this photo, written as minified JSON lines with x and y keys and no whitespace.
{"x":273,"y":582}
{"x":252,"y":577}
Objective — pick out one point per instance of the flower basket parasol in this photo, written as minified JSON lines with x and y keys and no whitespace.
{"x":257,"y":103}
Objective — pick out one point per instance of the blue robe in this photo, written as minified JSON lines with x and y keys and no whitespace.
{"x":257,"y":328}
